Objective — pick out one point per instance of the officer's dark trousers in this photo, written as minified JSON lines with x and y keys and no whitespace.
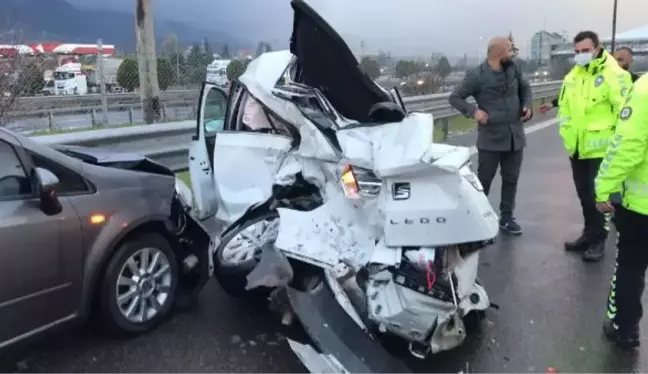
{"x":510,"y":163}
{"x":626,"y":288}
{"x":584,"y":173}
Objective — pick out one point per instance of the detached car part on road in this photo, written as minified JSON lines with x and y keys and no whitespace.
{"x":339,"y":206}
{"x":86,"y":229}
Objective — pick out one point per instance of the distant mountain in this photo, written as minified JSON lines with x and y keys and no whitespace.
{"x":249,"y":20}
{"x":58,"y":20}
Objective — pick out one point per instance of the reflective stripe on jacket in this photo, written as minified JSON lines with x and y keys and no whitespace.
{"x":625,"y":166}
{"x":589,"y":104}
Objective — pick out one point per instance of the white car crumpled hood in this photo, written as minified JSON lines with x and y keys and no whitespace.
{"x":350,"y":231}
{"x":400,"y":148}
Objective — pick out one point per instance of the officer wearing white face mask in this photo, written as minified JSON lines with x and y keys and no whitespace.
{"x":592,"y":94}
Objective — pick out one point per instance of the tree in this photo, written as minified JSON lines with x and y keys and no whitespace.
{"x":235,"y":69}
{"x":128,"y":74}
{"x":166,"y":73}
{"x":206,"y":48}
{"x":31,"y":79}
{"x":384,"y":59}
{"x":514,"y":48}
{"x":197,"y":62}
{"x":262,"y":48}
{"x":370,"y":67}
{"x":225,"y":53}
{"x":171,"y":45}
{"x":443,"y":68}
{"x":197,"y":57}
{"x":147,"y":63}
{"x":405,"y":68}
{"x":179,"y":64}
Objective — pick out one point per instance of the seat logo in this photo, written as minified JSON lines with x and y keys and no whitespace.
{"x":401,"y":191}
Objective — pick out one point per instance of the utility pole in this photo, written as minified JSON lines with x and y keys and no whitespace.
{"x":102,"y":82}
{"x":177,"y":61}
{"x":614,"y":22}
{"x":147,"y":61}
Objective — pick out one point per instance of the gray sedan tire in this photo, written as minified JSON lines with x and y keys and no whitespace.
{"x":139,"y":287}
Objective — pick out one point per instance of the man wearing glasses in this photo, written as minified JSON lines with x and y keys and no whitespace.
{"x":503,"y":98}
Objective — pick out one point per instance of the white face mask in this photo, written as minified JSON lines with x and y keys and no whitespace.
{"x":583,"y":59}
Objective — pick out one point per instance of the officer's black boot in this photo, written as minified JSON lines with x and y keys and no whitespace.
{"x":579,"y":245}
{"x":626,"y":338}
{"x":595,"y":252}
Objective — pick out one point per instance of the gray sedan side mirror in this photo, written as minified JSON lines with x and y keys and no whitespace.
{"x":47,"y":178}
{"x":49,"y":202}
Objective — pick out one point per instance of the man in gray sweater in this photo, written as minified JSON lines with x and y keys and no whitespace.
{"x":503,"y":99}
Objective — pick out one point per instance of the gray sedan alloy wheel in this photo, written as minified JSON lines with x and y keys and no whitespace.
{"x":143,"y":285}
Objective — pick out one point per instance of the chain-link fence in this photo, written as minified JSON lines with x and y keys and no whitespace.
{"x":93,"y":85}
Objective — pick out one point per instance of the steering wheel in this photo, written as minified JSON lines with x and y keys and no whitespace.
{"x":12,"y":185}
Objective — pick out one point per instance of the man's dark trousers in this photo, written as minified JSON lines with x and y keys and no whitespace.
{"x":510,"y":163}
{"x":584,"y":172}
{"x":627,"y":286}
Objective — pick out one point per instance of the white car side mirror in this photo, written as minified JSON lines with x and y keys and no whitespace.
{"x":47,"y":178}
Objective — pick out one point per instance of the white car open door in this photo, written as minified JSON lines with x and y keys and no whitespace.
{"x":211,"y":118}
{"x":245,"y":167}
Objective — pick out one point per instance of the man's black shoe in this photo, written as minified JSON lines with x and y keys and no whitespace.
{"x":579,"y":245}
{"x":624,"y":339}
{"x":595,"y":252}
{"x":509,"y":225}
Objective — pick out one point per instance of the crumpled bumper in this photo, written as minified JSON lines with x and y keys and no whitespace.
{"x":338,"y":344}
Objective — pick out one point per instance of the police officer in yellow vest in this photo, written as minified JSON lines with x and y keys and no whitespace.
{"x":590,"y":99}
{"x":625,"y":169}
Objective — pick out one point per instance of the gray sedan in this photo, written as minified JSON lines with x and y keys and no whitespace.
{"x":87,"y":230}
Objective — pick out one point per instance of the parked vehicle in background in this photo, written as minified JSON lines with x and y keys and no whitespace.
{"x":86,"y":229}
{"x":110,"y":68}
{"x":217,"y":72}
{"x":49,"y":88}
{"x":69,"y":79}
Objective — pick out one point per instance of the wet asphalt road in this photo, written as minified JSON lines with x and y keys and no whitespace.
{"x":551,"y":306}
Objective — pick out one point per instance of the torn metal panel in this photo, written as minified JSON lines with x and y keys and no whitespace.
{"x":259,"y":155}
{"x":447,"y":157}
{"x":314,"y":144}
{"x":273,"y":270}
{"x":334,"y":333}
{"x":332,"y":233}
{"x":383,"y":255}
{"x":392,"y":148}
{"x":314,"y":361}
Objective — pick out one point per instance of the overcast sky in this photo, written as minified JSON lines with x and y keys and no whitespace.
{"x":453,"y":27}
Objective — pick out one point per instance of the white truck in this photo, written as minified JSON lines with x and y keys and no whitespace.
{"x":69,"y":79}
{"x":110,"y":68}
{"x":217,"y":72}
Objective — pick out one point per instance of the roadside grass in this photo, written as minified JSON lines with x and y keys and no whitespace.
{"x":184,"y":176}
{"x":460,"y":124}
{"x":57,"y":131}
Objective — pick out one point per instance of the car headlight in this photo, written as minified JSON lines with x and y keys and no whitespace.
{"x":358,"y":182}
{"x":184,"y":193}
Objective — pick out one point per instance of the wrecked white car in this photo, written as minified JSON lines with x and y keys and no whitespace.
{"x":339,"y":206}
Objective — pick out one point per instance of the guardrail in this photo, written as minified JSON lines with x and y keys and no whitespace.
{"x":26,"y":104}
{"x":178,"y":109}
{"x":168,"y":143}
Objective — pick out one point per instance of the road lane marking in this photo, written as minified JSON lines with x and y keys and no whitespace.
{"x":527,"y":130}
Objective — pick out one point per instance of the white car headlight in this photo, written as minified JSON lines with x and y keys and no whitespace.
{"x":184,"y":192}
